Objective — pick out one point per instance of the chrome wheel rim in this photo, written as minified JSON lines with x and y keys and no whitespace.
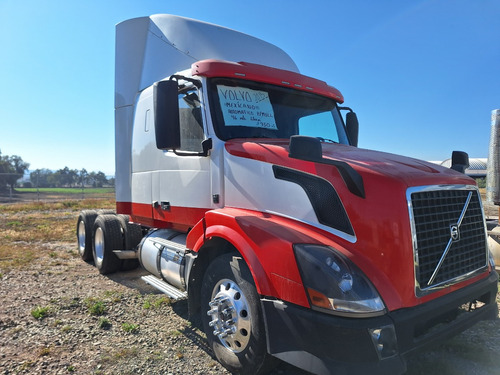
{"x":98,"y":246}
{"x":81,"y":237}
{"x":230,"y":316}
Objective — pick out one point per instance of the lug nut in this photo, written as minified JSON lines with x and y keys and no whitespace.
{"x":215,"y":302}
{"x":228,"y":310}
{"x":217,"y":332}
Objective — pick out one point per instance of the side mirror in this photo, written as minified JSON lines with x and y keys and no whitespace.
{"x":459,"y":161}
{"x":352,"y":127}
{"x":305,"y":148}
{"x":166,"y":115}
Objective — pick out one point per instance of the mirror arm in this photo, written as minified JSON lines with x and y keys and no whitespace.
{"x":206,"y":145}
{"x":345,"y":109}
{"x":195,"y":82}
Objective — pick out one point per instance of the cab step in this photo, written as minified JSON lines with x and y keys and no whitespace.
{"x":163,"y":287}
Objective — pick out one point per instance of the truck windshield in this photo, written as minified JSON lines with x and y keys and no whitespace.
{"x":245,"y":109}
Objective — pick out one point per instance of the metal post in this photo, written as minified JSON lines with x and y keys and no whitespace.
{"x":493,"y":170}
{"x":83,"y":186}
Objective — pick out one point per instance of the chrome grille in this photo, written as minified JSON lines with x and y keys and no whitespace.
{"x":449,"y":236}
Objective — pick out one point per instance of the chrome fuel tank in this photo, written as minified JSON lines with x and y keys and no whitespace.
{"x":162,"y":253}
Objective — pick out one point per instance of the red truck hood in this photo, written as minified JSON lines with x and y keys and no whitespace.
{"x":411,"y":172}
{"x":383,"y":246}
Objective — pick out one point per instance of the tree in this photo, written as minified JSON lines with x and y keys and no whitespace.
{"x":12,"y":168}
{"x":97,"y":179}
{"x":18,"y":167}
{"x":42,"y":178}
{"x":100,"y":179}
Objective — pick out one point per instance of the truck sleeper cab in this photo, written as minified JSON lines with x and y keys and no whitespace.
{"x":240,"y":187}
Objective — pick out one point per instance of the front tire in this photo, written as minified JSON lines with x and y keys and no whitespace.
{"x":232,"y":317}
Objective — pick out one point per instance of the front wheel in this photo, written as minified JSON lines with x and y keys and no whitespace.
{"x":232,"y":317}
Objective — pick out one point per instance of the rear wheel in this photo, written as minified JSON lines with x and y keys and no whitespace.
{"x":132,"y":234}
{"x":107,"y":237}
{"x":232,"y":317}
{"x":84,"y":228}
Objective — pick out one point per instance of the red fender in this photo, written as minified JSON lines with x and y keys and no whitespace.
{"x":265,"y":241}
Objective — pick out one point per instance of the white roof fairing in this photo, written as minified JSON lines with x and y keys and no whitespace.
{"x":149,"y":49}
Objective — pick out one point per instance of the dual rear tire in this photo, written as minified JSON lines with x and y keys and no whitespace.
{"x":100,"y":232}
{"x":107,"y":237}
{"x":84,"y":228}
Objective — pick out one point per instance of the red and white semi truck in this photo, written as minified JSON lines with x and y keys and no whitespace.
{"x":240,"y":186}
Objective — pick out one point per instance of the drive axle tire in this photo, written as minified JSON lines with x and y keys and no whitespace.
{"x":107,"y":237}
{"x":232,"y":317}
{"x":84,"y":227}
{"x":132,"y":235}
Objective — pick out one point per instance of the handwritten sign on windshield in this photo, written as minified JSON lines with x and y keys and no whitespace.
{"x":246,"y":107}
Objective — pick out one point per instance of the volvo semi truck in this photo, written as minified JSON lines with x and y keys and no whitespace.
{"x":240,"y":187}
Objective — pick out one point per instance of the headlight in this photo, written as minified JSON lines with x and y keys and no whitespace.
{"x":334,"y":284}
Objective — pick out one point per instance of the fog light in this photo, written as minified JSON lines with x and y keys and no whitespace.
{"x":384,"y":340}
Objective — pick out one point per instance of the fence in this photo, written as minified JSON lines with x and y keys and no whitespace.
{"x":54,"y":194}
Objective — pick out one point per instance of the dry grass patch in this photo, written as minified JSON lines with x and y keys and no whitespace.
{"x":30,"y":231}
{"x":16,"y":255}
{"x":74,"y":205}
{"x":38,"y":226}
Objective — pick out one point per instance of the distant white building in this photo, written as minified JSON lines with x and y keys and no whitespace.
{"x":477,"y":166}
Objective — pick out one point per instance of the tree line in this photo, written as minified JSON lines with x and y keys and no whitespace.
{"x":66,"y":177}
{"x":13,"y":168}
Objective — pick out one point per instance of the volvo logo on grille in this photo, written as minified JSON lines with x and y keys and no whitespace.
{"x":455,"y":232}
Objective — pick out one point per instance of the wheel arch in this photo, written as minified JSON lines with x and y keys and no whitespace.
{"x":212,"y":248}
{"x":264,"y":241}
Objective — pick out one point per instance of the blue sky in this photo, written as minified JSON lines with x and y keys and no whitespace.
{"x":423,"y":76}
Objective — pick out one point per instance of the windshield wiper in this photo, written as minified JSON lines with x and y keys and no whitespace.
{"x":326,"y":140}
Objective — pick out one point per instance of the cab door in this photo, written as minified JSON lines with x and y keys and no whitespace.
{"x":181,"y":187}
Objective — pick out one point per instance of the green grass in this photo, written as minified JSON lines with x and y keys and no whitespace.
{"x":95,"y":306}
{"x":130,"y":327}
{"x":66,"y":328}
{"x":154,"y":302}
{"x":104,"y":323}
{"x":76,"y":190}
{"x":40,"y":312}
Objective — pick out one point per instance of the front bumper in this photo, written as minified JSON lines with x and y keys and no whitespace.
{"x":326,"y":344}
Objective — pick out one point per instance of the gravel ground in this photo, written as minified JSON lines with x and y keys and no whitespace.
{"x":93,"y":324}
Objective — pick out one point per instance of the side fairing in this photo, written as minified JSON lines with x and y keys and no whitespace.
{"x":256,"y":185}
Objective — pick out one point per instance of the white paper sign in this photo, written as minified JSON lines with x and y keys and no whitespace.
{"x":246,"y":107}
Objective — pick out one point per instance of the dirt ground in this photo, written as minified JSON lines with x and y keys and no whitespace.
{"x":58,"y":315}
